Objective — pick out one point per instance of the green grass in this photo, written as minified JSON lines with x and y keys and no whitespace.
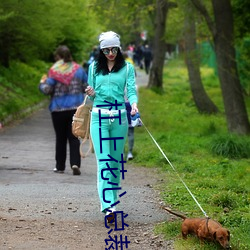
{"x":214,"y":164}
{"x":19,"y":88}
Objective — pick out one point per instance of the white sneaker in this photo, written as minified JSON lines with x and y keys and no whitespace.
{"x":129,"y":156}
{"x":58,"y":171}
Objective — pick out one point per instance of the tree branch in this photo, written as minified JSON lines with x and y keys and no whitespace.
{"x":202,"y":9}
{"x":172,"y":5}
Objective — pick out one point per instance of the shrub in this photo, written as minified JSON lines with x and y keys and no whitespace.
{"x":231,"y":146}
{"x":223,"y":200}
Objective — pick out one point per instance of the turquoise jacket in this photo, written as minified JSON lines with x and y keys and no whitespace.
{"x":111,"y":87}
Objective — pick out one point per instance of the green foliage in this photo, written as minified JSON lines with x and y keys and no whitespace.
{"x":175,"y":28}
{"x":128,"y":18}
{"x":241,"y":17}
{"x":29,"y":33}
{"x":224,"y":200}
{"x":243,"y":59}
{"x":170,"y":230}
{"x":231,"y":146}
{"x":19,"y":87}
{"x":219,"y":183}
{"x":175,"y":25}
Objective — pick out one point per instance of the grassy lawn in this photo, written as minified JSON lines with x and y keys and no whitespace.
{"x":214,"y":164}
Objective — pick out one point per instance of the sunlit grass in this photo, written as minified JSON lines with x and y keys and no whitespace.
{"x":193,"y":142}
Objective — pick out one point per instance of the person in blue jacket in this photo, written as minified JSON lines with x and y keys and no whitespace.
{"x":108,"y":78}
{"x":65,"y":83}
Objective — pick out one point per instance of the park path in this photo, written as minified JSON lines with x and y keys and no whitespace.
{"x":40,"y":209}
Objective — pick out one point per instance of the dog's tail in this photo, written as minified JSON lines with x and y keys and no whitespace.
{"x":175,"y":213}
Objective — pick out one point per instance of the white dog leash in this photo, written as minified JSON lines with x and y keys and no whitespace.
{"x":174,"y":170}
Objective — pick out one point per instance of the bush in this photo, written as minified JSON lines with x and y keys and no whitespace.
{"x":19,"y":88}
{"x":231,"y":146}
{"x":223,"y":200}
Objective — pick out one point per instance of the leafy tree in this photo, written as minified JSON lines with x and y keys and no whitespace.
{"x":21,"y":34}
{"x":242,"y":33}
{"x":221,"y":28}
{"x":175,"y":24}
{"x":126,"y":17}
{"x":156,"y":72}
{"x":241,"y":18}
{"x":28,"y":33}
{"x":201,"y":99}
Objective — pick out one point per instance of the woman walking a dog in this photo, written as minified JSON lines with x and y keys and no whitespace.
{"x":108,"y":78}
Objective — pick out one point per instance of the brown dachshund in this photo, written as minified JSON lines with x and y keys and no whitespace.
{"x":204,"y":229}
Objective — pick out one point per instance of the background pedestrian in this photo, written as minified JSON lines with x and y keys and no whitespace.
{"x":147,"y":54}
{"x":65,"y":84}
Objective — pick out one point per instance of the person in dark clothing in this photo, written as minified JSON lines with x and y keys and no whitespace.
{"x":65,"y":83}
{"x":138,"y":56}
{"x":147,"y":54}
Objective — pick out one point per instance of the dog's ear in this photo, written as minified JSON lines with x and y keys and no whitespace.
{"x":214,"y":235}
{"x":228,"y":237}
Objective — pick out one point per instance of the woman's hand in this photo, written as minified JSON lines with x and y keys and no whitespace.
{"x":134,"y":109}
{"x":43,"y":79}
{"x":90,"y":91}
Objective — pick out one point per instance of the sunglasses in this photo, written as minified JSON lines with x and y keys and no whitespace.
{"x":106,"y":51}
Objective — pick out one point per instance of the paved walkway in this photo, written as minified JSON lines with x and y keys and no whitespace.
{"x":29,"y":189}
{"x":141,"y":78}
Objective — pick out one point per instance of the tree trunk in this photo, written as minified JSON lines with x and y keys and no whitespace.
{"x":223,"y":38}
{"x":235,"y":109}
{"x":201,"y":99}
{"x":159,"y":46}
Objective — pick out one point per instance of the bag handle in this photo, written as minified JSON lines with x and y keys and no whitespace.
{"x":85,"y":99}
{"x":83,"y":155}
{"x":87,"y":137}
